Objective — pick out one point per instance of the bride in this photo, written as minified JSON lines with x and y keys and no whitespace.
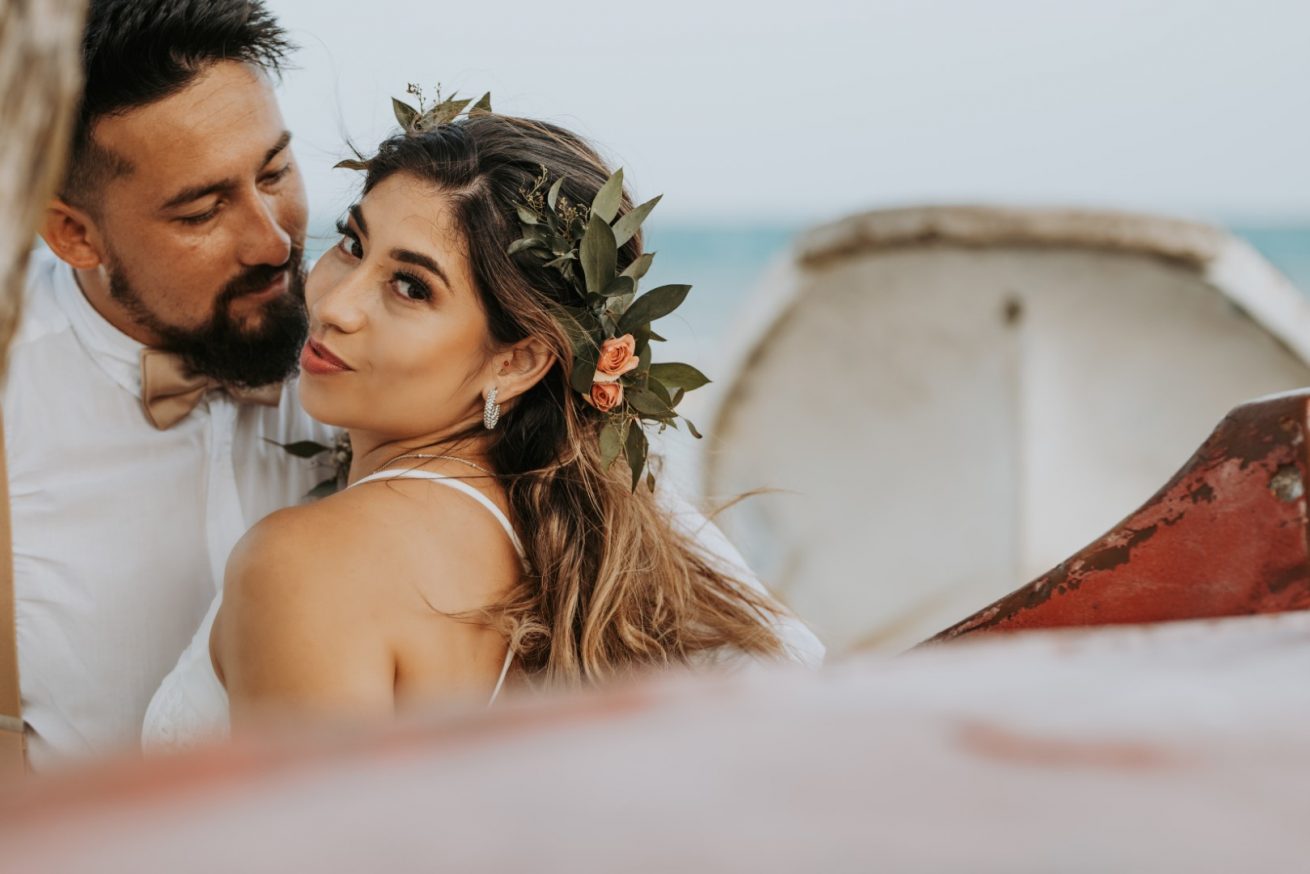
{"x":475,"y":332}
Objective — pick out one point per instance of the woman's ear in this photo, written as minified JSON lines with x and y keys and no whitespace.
{"x":72,"y":235}
{"x":522,"y":366}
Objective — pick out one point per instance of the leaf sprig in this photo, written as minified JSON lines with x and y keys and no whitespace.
{"x":418,"y":120}
{"x":336,"y":457}
{"x":570,"y":238}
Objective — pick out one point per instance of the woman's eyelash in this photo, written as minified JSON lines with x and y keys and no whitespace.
{"x":417,"y":283}
{"x":425,"y":291}
{"x":347,"y":234}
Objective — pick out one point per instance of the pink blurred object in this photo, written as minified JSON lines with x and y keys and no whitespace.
{"x":1175,"y":747}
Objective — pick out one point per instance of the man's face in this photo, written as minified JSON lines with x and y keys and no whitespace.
{"x":203,"y":238}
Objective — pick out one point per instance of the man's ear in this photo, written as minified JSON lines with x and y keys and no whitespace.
{"x":72,"y":234}
{"x":522,"y":366}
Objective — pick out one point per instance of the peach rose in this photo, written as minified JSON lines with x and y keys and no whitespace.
{"x":605,"y":396}
{"x":617,"y":357}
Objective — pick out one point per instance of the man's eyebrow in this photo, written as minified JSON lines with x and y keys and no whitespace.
{"x":195,"y":192}
{"x":417,"y":258}
{"x":282,"y":142}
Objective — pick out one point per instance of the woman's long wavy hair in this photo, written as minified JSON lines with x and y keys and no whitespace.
{"x":615,"y":586}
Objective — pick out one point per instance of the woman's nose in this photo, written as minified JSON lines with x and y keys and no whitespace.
{"x":342,"y":306}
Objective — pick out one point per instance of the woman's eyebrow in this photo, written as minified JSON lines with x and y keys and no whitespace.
{"x":357,"y":213}
{"x":409,"y":256}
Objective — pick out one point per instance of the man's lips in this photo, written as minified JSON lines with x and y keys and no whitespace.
{"x":276,"y":288}
{"x":318,"y":359}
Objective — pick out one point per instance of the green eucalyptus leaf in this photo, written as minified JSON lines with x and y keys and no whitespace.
{"x":682,"y":376}
{"x":650,"y":481}
{"x":637,"y":269}
{"x":620,"y":286}
{"x":527,"y":216}
{"x":325,"y":488}
{"x":660,"y":391}
{"x":626,"y":228}
{"x":405,"y":114}
{"x":611,"y":444}
{"x":656,"y":337}
{"x":647,"y":402}
{"x":654,"y":304}
{"x":677,"y":399}
{"x":444,"y":112}
{"x":301,"y":448}
{"x":692,"y":428}
{"x":350,"y":164}
{"x":523,"y":244}
{"x":599,"y":255}
{"x":561,"y":262}
{"x":552,"y":196}
{"x":606,"y":204}
{"x":584,"y":369}
{"x":483,"y":106}
{"x":636,"y":452}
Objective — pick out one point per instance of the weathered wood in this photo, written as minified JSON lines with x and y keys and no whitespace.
{"x":1228,"y":535}
{"x":40,"y":78}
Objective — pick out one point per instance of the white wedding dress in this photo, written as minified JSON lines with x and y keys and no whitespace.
{"x":191,"y":705}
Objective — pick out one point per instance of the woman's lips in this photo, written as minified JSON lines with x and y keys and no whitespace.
{"x":317,"y":359}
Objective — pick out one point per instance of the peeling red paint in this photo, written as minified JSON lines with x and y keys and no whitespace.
{"x":1227,"y":535}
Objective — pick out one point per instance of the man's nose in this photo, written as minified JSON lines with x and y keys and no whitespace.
{"x":264,"y":240}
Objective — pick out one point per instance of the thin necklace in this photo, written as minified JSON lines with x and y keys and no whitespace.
{"x":443,"y":457}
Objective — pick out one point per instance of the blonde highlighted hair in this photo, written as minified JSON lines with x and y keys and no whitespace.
{"x":615,"y":586}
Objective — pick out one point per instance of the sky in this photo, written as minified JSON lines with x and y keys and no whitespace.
{"x":767,"y":112}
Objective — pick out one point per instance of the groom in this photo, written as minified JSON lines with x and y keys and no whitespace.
{"x":144,"y":393}
{"x":145,"y":380}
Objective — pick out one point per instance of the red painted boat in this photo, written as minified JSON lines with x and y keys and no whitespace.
{"x":1226,"y":536}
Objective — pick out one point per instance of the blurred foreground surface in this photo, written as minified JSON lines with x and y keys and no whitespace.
{"x":1176,"y":747}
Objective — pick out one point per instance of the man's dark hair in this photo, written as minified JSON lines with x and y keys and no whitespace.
{"x":135,"y":52}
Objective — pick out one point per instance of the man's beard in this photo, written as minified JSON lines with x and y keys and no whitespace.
{"x":220,"y":348}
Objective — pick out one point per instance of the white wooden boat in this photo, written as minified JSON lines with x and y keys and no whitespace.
{"x":952,"y":400}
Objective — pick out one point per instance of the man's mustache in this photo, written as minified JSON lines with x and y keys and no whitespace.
{"x":256,"y":279}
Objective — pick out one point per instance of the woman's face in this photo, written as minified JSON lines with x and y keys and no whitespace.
{"x":398,"y":340}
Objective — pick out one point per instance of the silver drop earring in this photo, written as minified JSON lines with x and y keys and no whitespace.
{"x":490,"y":410}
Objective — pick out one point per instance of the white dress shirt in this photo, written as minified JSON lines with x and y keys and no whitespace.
{"x":121,"y":531}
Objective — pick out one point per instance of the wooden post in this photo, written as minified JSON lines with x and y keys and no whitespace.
{"x":40,"y":78}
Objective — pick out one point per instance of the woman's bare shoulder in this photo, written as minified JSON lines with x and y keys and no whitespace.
{"x":358,"y":546}
{"x":297,"y":628}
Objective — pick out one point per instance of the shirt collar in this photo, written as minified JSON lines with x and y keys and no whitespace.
{"x":117,"y":354}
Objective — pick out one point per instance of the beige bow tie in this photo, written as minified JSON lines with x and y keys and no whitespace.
{"x":169,"y":392}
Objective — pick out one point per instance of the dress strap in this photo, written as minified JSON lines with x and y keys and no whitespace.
{"x":460,"y":486}
{"x":504,"y":672}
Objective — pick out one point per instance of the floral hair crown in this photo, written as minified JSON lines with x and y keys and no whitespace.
{"x":607,"y":322}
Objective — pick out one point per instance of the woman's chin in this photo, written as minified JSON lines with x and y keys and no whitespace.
{"x":316,"y":401}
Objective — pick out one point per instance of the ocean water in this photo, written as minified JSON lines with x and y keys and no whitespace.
{"x":723,"y":264}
